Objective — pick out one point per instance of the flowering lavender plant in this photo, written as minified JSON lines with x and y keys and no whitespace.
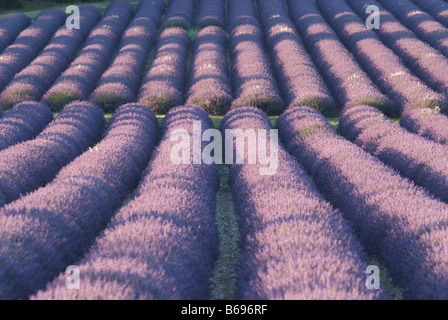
{"x":28,"y":165}
{"x":294,"y":245}
{"x":80,"y":78}
{"x":209,"y":84}
{"x":163,"y":85}
{"x":163,"y":243}
{"x":52,"y":227}
{"x":297,"y":75}
{"x":23,"y":122}
{"x":394,"y":219}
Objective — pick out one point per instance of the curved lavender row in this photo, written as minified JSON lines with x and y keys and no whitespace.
{"x":24,"y":122}
{"x":420,"y":22}
{"x":252,"y":78}
{"x":426,"y":62}
{"x":52,"y":227}
{"x":31,"y":164}
{"x":381,"y":64}
{"x":162,"y":244}
{"x":428,"y":123}
{"x":294,"y":245}
{"x":163,"y":85}
{"x":209,"y":82}
{"x":211,"y":12}
{"x":350,"y":85}
{"x":395,"y":219}
{"x":180,"y":13}
{"x":437,"y":8}
{"x":79,"y":79}
{"x":152,"y":9}
{"x":422,"y":161}
{"x":297,"y":75}
{"x":10,"y":27}
{"x":29,"y":43}
{"x":33,"y":81}
{"x":119,"y":84}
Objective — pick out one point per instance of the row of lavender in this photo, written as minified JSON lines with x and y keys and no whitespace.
{"x":50,"y":228}
{"x":32,"y":82}
{"x":46,"y":230}
{"x":253,"y":82}
{"x":419,"y":104}
{"x":33,"y":163}
{"x":409,"y":240}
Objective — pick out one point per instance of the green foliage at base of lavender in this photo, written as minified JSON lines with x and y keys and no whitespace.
{"x":58,"y":100}
{"x":218,"y":106}
{"x":268,"y":104}
{"x":159,"y":103}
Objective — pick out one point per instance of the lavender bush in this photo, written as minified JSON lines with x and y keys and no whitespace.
{"x":33,"y":81}
{"x":297,"y":75}
{"x":180,"y":13}
{"x":10,"y":27}
{"x":428,"y":123}
{"x":52,"y":227}
{"x":152,"y":9}
{"x":387,"y":70}
{"x":394,"y":219}
{"x":294,"y":245}
{"x":80,"y":78}
{"x":29,"y":43}
{"x":422,"y":161}
{"x":163,"y":85}
{"x":119,"y":84}
{"x":162,"y":244}
{"x":350,"y":85}
{"x":252,"y":78}
{"x":426,"y":62}
{"x":211,"y":13}
{"x":209,"y":81}
{"x":28,"y":165}
{"x":420,"y":22}
{"x":23,"y":122}
{"x":437,"y":8}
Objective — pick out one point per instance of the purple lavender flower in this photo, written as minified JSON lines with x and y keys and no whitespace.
{"x":387,"y":70}
{"x":209,"y":75}
{"x":180,"y":13}
{"x":210,"y":13}
{"x":163,"y":243}
{"x":80,"y":78}
{"x":10,"y":27}
{"x":426,"y":62}
{"x":29,"y":43}
{"x":294,"y":245}
{"x":428,"y":123}
{"x":394,"y":219}
{"x":52,"y":227}
{"x":33,"y":81}
{"x":152,"y":9}
{"x":350,"y":85}
{"x":23,"y":122}
{"x":119,"y":84}
{"x":163,"y":85}
{"x":437,"y":8}
{"x":28,"y":165}
{"x":297,"y":75}
{"x":252,"y":78}
{"x":422,"y":161}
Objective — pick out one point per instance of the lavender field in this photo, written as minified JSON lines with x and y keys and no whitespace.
{"x":118,"y":179}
